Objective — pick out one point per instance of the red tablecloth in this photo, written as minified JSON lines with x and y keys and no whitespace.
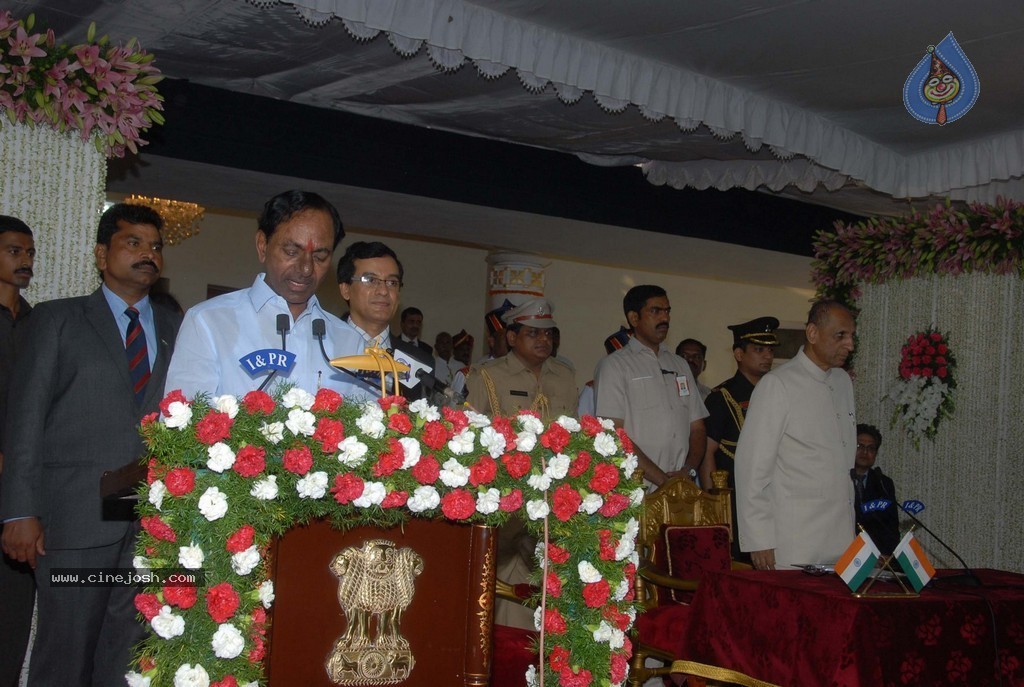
{"x":792,"y":629}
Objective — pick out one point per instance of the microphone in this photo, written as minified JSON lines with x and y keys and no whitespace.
{"x":320,"y":331}
{"x":967,"y":577}
{"x":417,"y":369}
{"x":283,"y":327}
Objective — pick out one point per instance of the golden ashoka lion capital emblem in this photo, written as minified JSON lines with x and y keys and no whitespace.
{"x":375,"y":586}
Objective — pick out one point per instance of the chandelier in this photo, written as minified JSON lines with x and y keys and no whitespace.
{"x":181,"y":219}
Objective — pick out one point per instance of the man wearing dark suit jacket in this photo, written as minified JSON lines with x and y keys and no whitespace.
{"x":411,"y":324}
{"x":92,"y":367}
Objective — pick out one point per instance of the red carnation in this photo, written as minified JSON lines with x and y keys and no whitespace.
{"x":511,"y":502}
{"x":614,"y":503}
{"x":258,"y":403}
{"x":435,"y":435}
{"x":228,"y":681}
{"x":389,"y":402}
{"x":591,"y":426}
{"x":347,"y":488}
{"x":146,"y":663}
{"x":400,"y":422}
{"x":181,"y":596}
{"x":936,"y":337}
{"x":390,"y":460}
{"x":554,"y":584}
{"x":942,"y":349}
{"x":926,"y":372}
{"x":241,"y":539}
{"x":329,"y":432}
{"x":615,"y":617}
{"x":213,"y":427}
{"x":458,"y":504}
{"x":554,"y":623}
{"x":557,"y":554}
{"x":457,"y":418}
{"x":259,"y":650}
{"x":942,"y":372}
{"x":327,"y":400}
{"x":559,"y":658}
{"x":221,"y":602}
{"x":579,"y":464}
{"x":607,"y":545}
{"x":606,"y":478}
{"x":619,"y":666}
{"x":158,"y":529}
{"x":148,"y":605}
{"x":149,"y":419}
{"x":427,"y":470}
{"x":556,"y":438}
{"x":596,"y":594}
{"x":250,"y":461}
{"x":174,"y":396}
{"x":395,"y":499}
{"x":503,"y":426}
{"x":565,"y":502}
{"x":567,"y":678}
{"x":517,"y":464}
{"x":180,"y":481}
{"x":298,"y":460}
{"x":627,"y":443}
{"x":154,"y":471}
{"x":483,"y":471}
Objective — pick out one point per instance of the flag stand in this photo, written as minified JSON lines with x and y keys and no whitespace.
{"x":866,"y":593}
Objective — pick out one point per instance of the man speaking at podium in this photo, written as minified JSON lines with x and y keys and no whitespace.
{"x":273,"y":330}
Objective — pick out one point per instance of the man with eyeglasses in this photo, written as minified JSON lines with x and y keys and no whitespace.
{"x":650,"y":391}
{"x":370,"y":278}
{"x":695,"y":353}
{"x":869,"y":484}
{"x":222,"y":345}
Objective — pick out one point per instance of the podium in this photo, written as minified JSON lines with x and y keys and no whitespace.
{"x":343,"y":605}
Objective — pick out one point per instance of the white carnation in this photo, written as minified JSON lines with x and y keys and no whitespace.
{"x":227,"y":404}
{"x":424,"y":410}
{"x":266,"y":592}
{"x":621,"y":590}
{"x":606,"y":632}
{"x":188,"y":675}
{"x":411,"y":452}
{"x":591,"y":504}
{"x":227,"y":641}
{"x":487,"y":501}
{"x":588,"y":573}
{"x":351,"y":452}
{"x":373,"y":411}
{"x":454,"y":474}
{"x":312,"y":486}
{"x":461,"y":443}
{"x":531,"y":675}
{"x":570,"y":424}
{"x":140,"y":563}
{"x":298,"y":398}
{"x":137,"y":679}
{"x":157,"y":491}
{"x":604,"y":444}
{"x":178,"y":415}
{"x":477,"y":420}
{"x":221,"y":457}
{"x":526,"y":441}
{"x":629,"y":465}
{"x":558,"y":466}
{"x":423,"y":499}
{"x":529,"y":423}
{"x":494,"y":441}
{"x":273,"y":432}
{"x":371,"y":426}
{"x":243,"y":562}
{"x":265,"y":489}
{"x":539,"y":482}
{"x":373,"y":495}
{"x":191,"y":557}
{"x":167,"y":625}
{"x":213,"y":504}
{"x":636,"y":497}
{"x":607,"y":424}
{"x":301,"y":422}
{"x":537,"y":510}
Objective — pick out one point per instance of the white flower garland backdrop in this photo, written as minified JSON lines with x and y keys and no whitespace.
{"x":54,"y":182}
{"x":971,"y":476}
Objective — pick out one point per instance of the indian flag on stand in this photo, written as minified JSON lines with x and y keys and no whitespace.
{"x":858,"y":561}
{"x":913,"y":561}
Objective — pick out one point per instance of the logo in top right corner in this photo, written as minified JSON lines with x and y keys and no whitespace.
{"x":943,"y":86}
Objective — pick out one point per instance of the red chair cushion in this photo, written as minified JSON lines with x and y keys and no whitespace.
{"x":686,"y":552}
{"x":512,"y":655}
{"x":662,"y":626}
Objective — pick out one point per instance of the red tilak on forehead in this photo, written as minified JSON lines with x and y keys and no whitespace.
{"x":310,"y":247}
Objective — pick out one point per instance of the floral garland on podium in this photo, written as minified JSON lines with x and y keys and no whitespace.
{"x":227,"y":474}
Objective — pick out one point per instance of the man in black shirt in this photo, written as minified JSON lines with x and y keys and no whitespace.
{"x":882,"y":525}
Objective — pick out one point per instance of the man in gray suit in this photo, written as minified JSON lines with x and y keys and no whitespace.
{"x":90,"y":369}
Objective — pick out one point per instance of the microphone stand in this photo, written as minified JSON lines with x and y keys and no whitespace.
{"x":319,"y":331}
{"x":283,"y":327}
{"x":967,"y":577}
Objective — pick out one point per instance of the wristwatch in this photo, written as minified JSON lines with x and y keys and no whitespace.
{"x":692,"y":474}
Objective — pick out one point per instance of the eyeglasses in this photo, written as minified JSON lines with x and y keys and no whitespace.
{"x":375,"y":282}
{"x":870,"y":448}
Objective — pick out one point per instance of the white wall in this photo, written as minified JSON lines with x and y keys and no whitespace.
{"x":448,"y":282}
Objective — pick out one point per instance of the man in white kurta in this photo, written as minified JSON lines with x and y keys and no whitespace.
{"x":794,"y":496}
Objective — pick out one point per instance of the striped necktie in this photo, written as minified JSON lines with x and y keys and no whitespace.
{"x":138,"y":354}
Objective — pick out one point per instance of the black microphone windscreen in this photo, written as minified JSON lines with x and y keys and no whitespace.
{"x":283,"y":324}
{"x":319,"y":327}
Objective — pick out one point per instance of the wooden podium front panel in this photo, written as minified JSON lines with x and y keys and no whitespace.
{"x":447,"y":625}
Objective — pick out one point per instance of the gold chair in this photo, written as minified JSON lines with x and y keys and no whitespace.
{"x":683,"y":531}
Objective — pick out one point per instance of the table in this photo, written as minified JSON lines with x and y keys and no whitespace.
{"x":792,"y":629}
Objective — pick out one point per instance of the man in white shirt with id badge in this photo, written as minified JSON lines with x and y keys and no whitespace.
{"x":650,"y":391}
